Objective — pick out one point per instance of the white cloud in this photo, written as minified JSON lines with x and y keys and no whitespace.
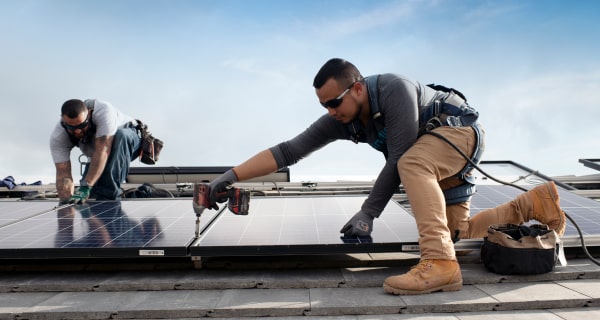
{"x":378,"y":16}
{"x":548,"y":121}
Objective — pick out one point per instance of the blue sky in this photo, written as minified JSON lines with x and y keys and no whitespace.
{"x":219,"y":81}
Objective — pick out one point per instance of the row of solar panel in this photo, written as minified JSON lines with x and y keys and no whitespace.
{"x":275,"y":226}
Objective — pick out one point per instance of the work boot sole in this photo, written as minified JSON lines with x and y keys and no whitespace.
{"x":448,"y":287}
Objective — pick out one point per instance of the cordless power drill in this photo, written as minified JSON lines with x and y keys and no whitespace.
{"x":238,"y":201}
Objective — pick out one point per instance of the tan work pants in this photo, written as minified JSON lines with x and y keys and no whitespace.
{"x":426,"y":169}
{"x":429,"y":167}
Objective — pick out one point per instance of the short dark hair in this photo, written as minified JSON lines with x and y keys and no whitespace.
{"x":344,"y":72}
{"x":72,"y":108}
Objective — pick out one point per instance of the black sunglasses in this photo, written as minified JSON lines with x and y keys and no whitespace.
{"x":79,"y":126}
{"x":334,"y":103}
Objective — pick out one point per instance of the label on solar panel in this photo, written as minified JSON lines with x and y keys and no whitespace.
{"x":152,"y":252}
{"x":410,"y":247}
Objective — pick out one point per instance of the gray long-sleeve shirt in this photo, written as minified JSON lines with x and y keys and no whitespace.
{"x":400,"y":101}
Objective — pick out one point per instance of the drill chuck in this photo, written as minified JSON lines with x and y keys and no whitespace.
{"x":201,"y":198}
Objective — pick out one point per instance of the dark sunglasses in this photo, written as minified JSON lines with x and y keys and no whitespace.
{"x":334,"y":103}
{"x":79,"y":126}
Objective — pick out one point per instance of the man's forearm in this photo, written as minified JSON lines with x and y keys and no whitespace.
{"x":99,"y":159}
{"x":261,"y":164}
{"x":96,"y":167}
{"x":64,"y":180}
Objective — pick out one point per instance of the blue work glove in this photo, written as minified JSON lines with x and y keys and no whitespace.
{"x":361,"y":224}
{"x":81,"y":195}
{"x":219,"y":187}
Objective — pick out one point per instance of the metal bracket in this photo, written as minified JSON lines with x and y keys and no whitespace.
{"x":82,"y":163}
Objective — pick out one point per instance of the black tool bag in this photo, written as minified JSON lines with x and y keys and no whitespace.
{"x":519,"y":249}
{"x":151,"y":146}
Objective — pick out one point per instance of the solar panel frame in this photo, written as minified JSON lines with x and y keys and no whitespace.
{"x":591,"y":163}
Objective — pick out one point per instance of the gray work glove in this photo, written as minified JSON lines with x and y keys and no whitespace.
{"x":361,"y":224}
{"x":218,"y":188}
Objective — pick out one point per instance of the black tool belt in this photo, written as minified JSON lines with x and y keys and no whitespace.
{"x":150,"y":146}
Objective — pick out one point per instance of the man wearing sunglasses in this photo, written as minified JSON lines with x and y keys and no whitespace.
{"x":408,"y":122}
{"x":105,"y":135}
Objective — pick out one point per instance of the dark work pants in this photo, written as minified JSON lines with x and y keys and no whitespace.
{"x":125,"y":149}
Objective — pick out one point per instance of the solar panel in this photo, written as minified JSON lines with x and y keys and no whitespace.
{"x":591,"y":163}
{"x":490,"y":196}
{"x":304,"y":225}
{"x":307,"y":224}
{"x":585,"y":211}
{"x":12,"y":211}
{"x":105,"y":229}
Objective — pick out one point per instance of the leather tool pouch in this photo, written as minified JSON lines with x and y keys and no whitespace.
{"x":519,"y":249}
{"x":151,"y":146}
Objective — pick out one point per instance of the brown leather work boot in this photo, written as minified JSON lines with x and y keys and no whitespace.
{"x":426,"y":277}
{"x":546,"y":208}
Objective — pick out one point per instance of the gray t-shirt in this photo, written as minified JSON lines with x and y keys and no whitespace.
{"x":107,"y":120}
{"x":401,"y":101}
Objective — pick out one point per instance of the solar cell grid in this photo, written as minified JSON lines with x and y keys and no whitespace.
{"x":585,"y":211}
{"x":311,"y":224}
{"x":490,"y":196}
{"x":275,"y":225}
{"x":105,"y":228}
{"x":11,"y":211}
